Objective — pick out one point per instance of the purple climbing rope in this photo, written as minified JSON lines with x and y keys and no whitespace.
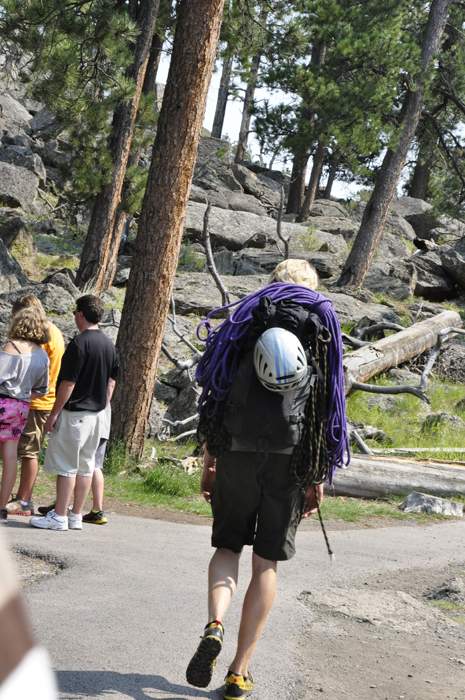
{"x":217,"y":367}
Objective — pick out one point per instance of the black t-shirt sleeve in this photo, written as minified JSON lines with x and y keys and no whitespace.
{"x":72,"y":363}
{"x":114,"y":371}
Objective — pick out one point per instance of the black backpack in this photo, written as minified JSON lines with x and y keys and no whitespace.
{"x":263,"y":421}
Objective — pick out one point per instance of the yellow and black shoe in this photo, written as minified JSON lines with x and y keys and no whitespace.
{"x":96,"y":517}
{"x":201,"y":666}
{"x":237,"y":686}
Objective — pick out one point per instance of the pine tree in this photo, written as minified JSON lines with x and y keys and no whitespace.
{"x":94,"y":258}
{"x":162,"y":216}
{"x":377,"y":209}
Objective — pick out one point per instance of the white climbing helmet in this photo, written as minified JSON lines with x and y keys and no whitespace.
{"x":279,"y":360}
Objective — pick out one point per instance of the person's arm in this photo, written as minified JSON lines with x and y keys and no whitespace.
{"x":110,"y":389}
{"x":208,"y":475}
{"x":310,"y":502}
{"x":63,"y":395}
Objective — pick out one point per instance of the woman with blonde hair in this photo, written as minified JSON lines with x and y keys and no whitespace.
{"x":295,"y":272}
{"x":23,"y":375}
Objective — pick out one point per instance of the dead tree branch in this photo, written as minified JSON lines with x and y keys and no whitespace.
{"x":443,"y":336}
{"x":210,"y":261}
{"x":279,"y":227}
{"x":403,"y":389}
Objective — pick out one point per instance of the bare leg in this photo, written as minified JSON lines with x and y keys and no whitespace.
{"x":222,"y":582}
{"x":98,"y":485}
{"x":9,"y":453}
{"x":257,"y":605}
{"x":65,"y":486}
{"x":29,"y":470}
{"x":83,"y":484}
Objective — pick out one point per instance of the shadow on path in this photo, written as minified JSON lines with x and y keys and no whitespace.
{"x":134,"y":685}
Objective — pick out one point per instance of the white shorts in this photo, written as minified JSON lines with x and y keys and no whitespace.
{"x":72,"y":445}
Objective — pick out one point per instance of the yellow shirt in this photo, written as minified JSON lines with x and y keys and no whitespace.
{"x":54,"y":349}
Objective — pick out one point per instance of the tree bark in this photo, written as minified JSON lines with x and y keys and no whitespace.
{"x":297,"y":185}
{"x":246,"y":116}
{"x":99,"y":235}
{"x":366,"y":362}
{"x":372,"y":477}
{"x":317,"y":167}
{"x":299,"y":165}
{"x":420,"y":180}
{"x":162,"y":216}
{"x":377,"y":209}
{"x":150,"y":80}
{"x":331,"y":176}
{"x":222,"y":100}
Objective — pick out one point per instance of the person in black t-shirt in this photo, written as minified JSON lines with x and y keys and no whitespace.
{"x":84,"y":388}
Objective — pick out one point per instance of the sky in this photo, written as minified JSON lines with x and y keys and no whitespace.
{"x":233,"y":120}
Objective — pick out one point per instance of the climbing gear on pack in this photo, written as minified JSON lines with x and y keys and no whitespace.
{"x":226,"y":345}
{"x":200,"y":669}
{"x":279,"y":360}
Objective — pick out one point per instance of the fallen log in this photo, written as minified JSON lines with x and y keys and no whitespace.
{"x":375,"y":477}
{"x":366,"y":362}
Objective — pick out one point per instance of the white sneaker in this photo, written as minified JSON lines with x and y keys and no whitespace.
{"x":51,"y":521}
{"x":74,"y":521}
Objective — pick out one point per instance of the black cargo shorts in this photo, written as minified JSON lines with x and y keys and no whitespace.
{"x":256,"y":503}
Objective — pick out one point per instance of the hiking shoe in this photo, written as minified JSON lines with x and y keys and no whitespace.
{"x":201,"y":666}
{"x":16,"y":508}
{"x":3,"y":516}
{"x":237,"y":686}
{"x":43,"y":510}
{"x":51,"y":521}
{"x":98,"y":518}
{"x":74,"y":520}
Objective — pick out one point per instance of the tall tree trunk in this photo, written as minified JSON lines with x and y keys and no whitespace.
{"x":150,"y":80}
{"x":162,"y":216}
{"x":301,"y":156}
{"x":377,"y":209}
{"x":246,"y":116}
{"x":421,"y":174}
{"x":97,"y":245}
{"x":331,"y":176}
{"x":297,"y":185}
{"x":222,"y":100}
{"x":149,"y":86}
{"x":317,"y":167}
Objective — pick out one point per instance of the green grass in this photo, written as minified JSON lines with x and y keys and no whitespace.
{"x":403,"y":424}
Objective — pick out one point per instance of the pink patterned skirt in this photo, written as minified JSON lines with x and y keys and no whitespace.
{"x":13,"y":418}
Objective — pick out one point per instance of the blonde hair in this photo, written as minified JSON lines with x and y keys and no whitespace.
{"x":25,"y":302}
{"x":295,"y":272}
{"x":31,"y":324}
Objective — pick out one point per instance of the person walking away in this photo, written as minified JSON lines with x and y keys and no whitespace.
{"x":32,"y":438}
{"x":85,"y":386}
{"x":24,"y":370}
{"x":260,"y":489}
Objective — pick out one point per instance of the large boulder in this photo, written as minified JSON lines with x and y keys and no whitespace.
{"x":336,"y":225}
{"x":433,"y":282}
{"x":18,"y":186}
{"x":395,"y":223}
{"x":394,"y":280}
{"x":232,"y":229}
{"x":11,"y":275}
{"x":12,"y":111}
{"x":63,"y":278}
{"x":44,"y":123}
{"x":15,"y":234}
{"x":254,"y":186}
{"x":418,"y":213}
{"x":196,"y":292}
{"x":453,"y":261}
{"x":54,"y":299}
{"x":24,"y":158}
{"x":210,"y":148}
{"x":327,"y":265}
{"x":352,"y":311}
{"x":328,"y":208}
